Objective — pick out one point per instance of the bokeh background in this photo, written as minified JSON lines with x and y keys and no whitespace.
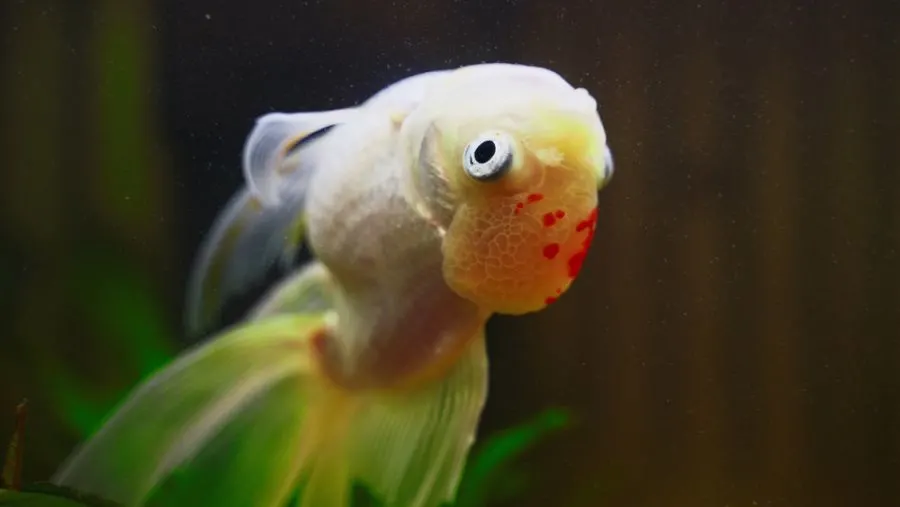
{"x":734,"y":339}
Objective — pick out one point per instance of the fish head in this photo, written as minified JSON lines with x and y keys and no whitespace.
{"x":509,"y":163}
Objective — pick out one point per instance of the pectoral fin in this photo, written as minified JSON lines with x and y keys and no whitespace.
{"x":247,"y":239}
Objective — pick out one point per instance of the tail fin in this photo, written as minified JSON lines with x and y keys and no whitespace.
{"x":383,"y":437}
{"x":407,"y":448}
{"x":263,"y":222}
{"x":247,"y":419}
{"x":189,"y":411}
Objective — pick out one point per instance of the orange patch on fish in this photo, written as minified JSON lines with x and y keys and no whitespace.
{"x":577,"y":260}
{"x":530,"y":199}
{"x":550,"y":218}
{"x":551,"y":250}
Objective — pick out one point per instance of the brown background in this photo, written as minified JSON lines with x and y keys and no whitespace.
{"x":733,"y":340}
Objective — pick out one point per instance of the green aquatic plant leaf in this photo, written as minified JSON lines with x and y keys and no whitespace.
{"x":490,"y":474}
{"x":48,"y":495}
{"x":118,"y":304}
{"x":362,"y":497}
{"x":40,"y":494}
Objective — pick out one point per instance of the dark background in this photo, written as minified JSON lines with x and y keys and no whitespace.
{"x":734,"y":339}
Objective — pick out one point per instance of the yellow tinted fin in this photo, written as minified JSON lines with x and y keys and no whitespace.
{"x":219,"y":426}
{"x":247,"y":419}
{"x":307,"y":290}
{"x":263,"y":222}
{"x":409,"y":448}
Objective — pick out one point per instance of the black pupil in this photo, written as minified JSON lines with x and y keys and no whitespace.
{"x":485,"y":151}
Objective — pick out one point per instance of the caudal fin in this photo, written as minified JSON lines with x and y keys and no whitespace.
{"x":247,"y":419}
{"x":243,"y":394}
{"x":408,"y":448}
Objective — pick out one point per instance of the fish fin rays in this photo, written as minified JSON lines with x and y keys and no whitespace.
{"x":219,"y":426}
{"x":248,"y":419}
{"x":406,"y":448}
{"x":245,"y":242}
{"x":410,"y":448}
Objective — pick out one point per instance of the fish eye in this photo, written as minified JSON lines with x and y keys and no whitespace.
{"x":489,"y":156}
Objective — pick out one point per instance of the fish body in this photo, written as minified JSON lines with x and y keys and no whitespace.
{"x":443,"y":199}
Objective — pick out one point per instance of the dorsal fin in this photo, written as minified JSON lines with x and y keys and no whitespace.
{"x":264,"y":221}
{"x":276,"y":136}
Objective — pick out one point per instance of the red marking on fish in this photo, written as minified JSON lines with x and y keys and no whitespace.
{"x":319,"y":341}
{"x":550,"y":300}
{"x":549,"y":220}
{"x":587,"y":223}
{"x":577,"y":260}
{"x":560,"y":214}
{"x":551,"y":250}
{"x":529,"y":199}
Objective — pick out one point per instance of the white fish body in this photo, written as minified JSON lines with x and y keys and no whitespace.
{"x":443,"y":199}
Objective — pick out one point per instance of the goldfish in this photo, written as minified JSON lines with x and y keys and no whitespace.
{"x":443,"y":199}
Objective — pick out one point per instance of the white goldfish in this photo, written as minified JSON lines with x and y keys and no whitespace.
{"x":443,"y":199}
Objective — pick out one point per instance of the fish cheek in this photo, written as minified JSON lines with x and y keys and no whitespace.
{"x":514,"y":254}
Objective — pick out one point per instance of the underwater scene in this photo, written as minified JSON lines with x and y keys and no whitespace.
{"x":449,"y":253}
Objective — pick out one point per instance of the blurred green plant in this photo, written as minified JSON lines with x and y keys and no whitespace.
{"x":115,"y":300}
{"x":491,"y":474}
